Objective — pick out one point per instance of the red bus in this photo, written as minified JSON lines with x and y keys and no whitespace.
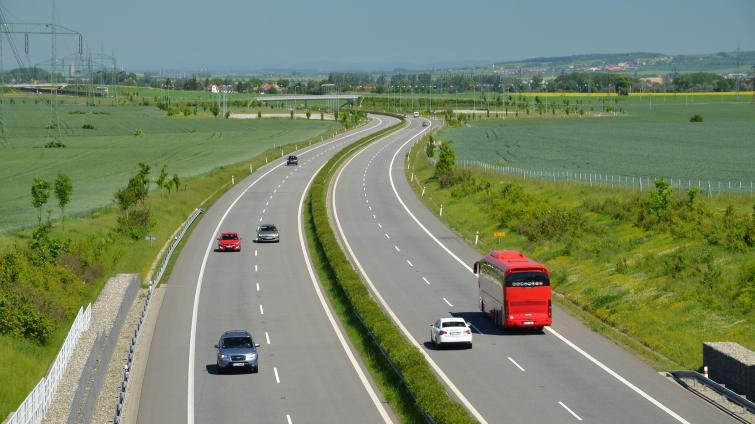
{"x":514,"y":290}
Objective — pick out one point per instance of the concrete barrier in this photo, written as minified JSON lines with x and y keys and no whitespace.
{"x":732,"y":365}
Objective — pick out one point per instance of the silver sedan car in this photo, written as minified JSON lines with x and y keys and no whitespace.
{"x":267,"y":232}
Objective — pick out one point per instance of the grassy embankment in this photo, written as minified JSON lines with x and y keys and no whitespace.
{"x":55,"y":291}
{"x":362,"y":316}
{"x":651,"y":275}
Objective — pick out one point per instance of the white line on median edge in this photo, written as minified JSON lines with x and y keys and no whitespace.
{"x":388,"y":309}
{"x":570,"y":411}
{"x":549,"y":329}
{"x":360,"y":373}
{"x":200,"y":277}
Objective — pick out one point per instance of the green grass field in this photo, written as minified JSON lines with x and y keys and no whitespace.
{"x":640,"y":142}
{"x":100,"y":160}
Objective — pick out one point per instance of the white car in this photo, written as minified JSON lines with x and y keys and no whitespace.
{"x":450,"y":331}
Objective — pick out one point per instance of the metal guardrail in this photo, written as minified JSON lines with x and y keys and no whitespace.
{"x":730,"y":395}
{"x":32,"y":410}
{"x":152,"y":285}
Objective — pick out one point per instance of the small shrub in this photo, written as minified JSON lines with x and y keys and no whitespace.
{"x":54,"y":145}
{"x":138,"y":132}
{"x":87,"y":126}
{"x":76,"y":112}
{"x":696,"y":118}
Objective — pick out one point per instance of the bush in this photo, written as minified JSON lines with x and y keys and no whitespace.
{"x":87,"y":126}
{"x":137,"y":132}
{"x":696,"y":118}
{"x":54,"y":145}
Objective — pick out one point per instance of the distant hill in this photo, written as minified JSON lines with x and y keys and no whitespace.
{"x":640,"y":63}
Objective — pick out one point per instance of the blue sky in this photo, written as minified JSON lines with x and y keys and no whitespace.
{"x":247,"y":34}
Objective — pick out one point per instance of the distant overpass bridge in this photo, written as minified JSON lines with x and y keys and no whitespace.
{"x":307,"y":98}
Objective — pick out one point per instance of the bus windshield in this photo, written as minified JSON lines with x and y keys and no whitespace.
{"x":527,"y":279}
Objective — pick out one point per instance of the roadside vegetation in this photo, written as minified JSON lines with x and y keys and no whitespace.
{"x":668,"y":268}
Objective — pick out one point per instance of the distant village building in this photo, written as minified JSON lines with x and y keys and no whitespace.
{"x":268,"y":87}
{"x":215,"y":88}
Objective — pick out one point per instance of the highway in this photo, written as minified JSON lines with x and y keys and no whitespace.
{"x":420,"y":271}
{"x":308,"y":371}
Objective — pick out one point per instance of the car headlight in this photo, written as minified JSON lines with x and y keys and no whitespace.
{"x":251,"y":356}
{"x":222,"y":356}
{"x":275,"y":235}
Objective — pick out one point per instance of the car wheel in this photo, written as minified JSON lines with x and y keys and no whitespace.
{"x":255,"y":369}
{"x":469,"y":345}
{"x":220,"y":369}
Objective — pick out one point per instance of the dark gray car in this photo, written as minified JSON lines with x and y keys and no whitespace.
{"x":237,"y":351}
{"x":267,"y":232}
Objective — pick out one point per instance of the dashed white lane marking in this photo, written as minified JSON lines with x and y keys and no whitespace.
{"x":380,"y":225}
{"x":370,"y":207}
{"x":366,"y":201}
{"x":396,"y":247}
{"x":410,"y":263}
{"x":514,"y":362}
{"x":373,"y":216}
{"x":447,"y":302}
{"x":277,"y":379}
{"x":262,"y":311}
{"x":260,"y":219}
{"x":425,"y":280}
{"x":255,"y":252}
{"x":288,"y":419}
{"x":264,"y":210}
{"x":267,"y":337}
{"x":271,"y":197}
{"x":275,"y":189}
{"x":255,"y":267}
{"x":267,"y":203}
{"x":570,"y":411}
{"x":365,"y":194}
{"x":258,"y":286}
{"x":387,"y":236}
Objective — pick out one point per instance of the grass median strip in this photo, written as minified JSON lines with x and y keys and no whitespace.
{"x":365,"y":319}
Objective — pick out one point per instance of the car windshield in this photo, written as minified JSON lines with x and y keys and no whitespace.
{"x":454,"y":324}
{"x":237,"y":342}
{"x":230,"y":237}
{"x":267,"y":228}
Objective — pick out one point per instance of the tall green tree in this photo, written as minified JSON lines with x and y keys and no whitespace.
{"x":40,"y":194}
{"x":63,"y":190}
{"x":446,"y":161}
{"x":162,"y":179}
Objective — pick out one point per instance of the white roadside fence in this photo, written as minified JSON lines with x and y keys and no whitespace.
{"x":33,"y":409}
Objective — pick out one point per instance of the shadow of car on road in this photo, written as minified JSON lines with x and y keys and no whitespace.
{"x":482,"y":324}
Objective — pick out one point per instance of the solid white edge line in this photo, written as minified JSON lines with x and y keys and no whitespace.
{"x":463,"y":399}
{"x":514,"y":362}
{"x":277,"y":379}
{"x":570,"y":411}
{"x":200,"y":277}
{"x":549,"y":329}
{"x":360,"y":373}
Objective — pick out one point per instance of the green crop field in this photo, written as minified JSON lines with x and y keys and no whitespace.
{"x":101,"y":160}
{"x":640,"y":141}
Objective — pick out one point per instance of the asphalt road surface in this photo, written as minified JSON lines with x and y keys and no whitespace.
{"x":307,"y":371}
{"x":421,"y":271}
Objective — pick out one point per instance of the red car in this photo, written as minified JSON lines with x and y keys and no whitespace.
{"x":229,"y":241}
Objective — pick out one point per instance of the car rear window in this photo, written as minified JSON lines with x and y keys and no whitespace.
{"x":237,"y":342}
{"x":454,"y":324}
